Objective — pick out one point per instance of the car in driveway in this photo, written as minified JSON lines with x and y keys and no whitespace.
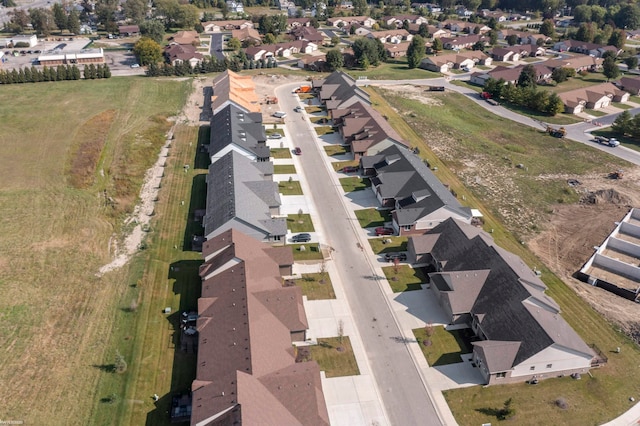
{"x":301,"y":238}
{"x":279,"y":114}
{"x":381,"y":230}
{"x":390,"y":257}
{"x":350,"y":169}
{"x":275,"y":136}
{"x":297,"y":151}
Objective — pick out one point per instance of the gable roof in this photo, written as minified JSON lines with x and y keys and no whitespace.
{"x":234,"y":126}
{"x":575,"y":62}
{"x":246,"y":370}
{"x":512,"y":305}
{"x":456,"y":58}
{"x":630,"y":83}
{"x":182,"y":52}
{"x":339,"y":88}
{"x":185,"y":37}
{"x":237,"y":190}
{"x":229,"y":86}
{"x":590,"y":94}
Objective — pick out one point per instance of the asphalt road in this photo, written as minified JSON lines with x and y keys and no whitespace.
{"x":404,"y":394}
{"x":216,"y":46}
{"x":578,"y":132}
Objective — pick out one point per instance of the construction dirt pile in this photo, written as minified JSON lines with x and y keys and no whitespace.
{"x":605,"y":196}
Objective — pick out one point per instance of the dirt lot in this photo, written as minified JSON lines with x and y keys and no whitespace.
{"x":265,"y":87}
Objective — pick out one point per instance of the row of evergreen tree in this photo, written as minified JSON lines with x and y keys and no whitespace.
{"x":59,"y":73}
{"x":209,"y":65}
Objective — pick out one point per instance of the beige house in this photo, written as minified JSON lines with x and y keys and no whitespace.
{"x":444,"y":63}
{"x":594,"y":97}
{"x":221,"y":26}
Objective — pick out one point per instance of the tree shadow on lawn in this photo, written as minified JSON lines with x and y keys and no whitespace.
{"x":198,"y":202}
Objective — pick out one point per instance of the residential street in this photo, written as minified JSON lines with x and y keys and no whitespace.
{"x":404,"y":394}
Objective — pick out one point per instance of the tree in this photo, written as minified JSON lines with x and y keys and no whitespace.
{"x":73,"y":22}
{"x":628,"y":17}
{"x":582,"y":13}
{"x":617,"y":39}
{"x":19,"y":20}
{"x":527,"y":77}
{"x":59,"y":16}
{"x":478,"y":45}
{"x":512,"y":39}
{"x":610,"y":68}
{"x":547,"y":28}
{"x":366,"y":52}
{"x":554,"y":104}
{"x":436,"y":45}
{"x":135,"y":10}
{"x":106,"y":11}
{"x":188,"y":16}
{"x":269,"y":39}
{"x":234,"y":44}
{"x":335,"y":60}
{"x":152,"y":29}
{"x":415,"y":52}
{"x":147,"y":51}
{"x":423,"y":30}
{"x":42,"y":21}
{"x":586,"y":32}
{"x":559,"y":75}
{"x":622,"y":124}
{"x":360,"y":7}
{"x":632,"y":62}
{"x":335,"y":40}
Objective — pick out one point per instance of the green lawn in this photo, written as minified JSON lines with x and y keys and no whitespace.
{"x":272,"y":131}
{"x":393,"y":70}
{"x":354,"y":183}
{"x":334,"y":362}
{"x":595,"y":112}
{"x":578,"y":82}
{"x":622,"y":105}
{"x":339,"y":165}
{"x":65,"y":148}
{"x":324,"y":130}
{"x":443,"y":346}
{"x":284,"y":169}
{"x":311,"y":251}
{"x":305,"y":96}
{"x":280,"y":153}
{"x":404,"y":278}
{"x":558,"y":119}
{"x":312,"y":109}
{"x":300,"y":223}
{"x":379,"y":246}
{"x":372,"y":217}
{"x":320,"y":119}
{"x":333,"y":150}
{"x":316,"y":286}
{"x":290,"y":188}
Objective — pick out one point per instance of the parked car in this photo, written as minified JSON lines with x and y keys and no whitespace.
{"x":275,"y":136}
{"x":297,"y":151}
{"x":298,"y":109}
{"x":384,"y":231}
{"x":390,"y":257}
{"x":350,"y":169}
{"x":279,"y":114}
{"x":301,"y":238}
{"x":135,"y":65}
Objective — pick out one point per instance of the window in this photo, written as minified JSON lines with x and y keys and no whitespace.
{"x":407,"y":227}
{"x":501,"y":375}
{"x":533,"y":367}
{"x":549,"y":365}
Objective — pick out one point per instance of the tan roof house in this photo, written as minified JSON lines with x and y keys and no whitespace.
{"x":593,"y":97}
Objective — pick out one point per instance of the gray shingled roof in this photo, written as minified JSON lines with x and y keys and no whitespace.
{"x":406,"y":178}
{"x":236,"y":190}
{"x":512,"y":302}
{"x":231,"y":125}
{"x":341,"y":87}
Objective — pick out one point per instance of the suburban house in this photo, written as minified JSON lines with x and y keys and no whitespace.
{"x":240,"y":131}
{"x":246,"y":365}
{"x":309,"y":34}
{"x":397,"y":50}
{"x":592,"y":49}
{"x":185,"y":37}
{"x":515,"y":53}
{"x":298,"y":22}
{"x":446,"y":62}
{"x":240,"y":195}
{"x":630,"y":84}
{"x":346,"y":21}
{"x":498,"y":15}
{"x":363,"y":129}
{"x":229,"y":87}
{"x":86,"y":56}
{"x":576,"y":62}
{"x":312,"y":62}
{"x":463,"y":26}
{"x":436,"y":32}
{"x":286,"y":49}
{"x":235,"y":6}
{"x":247,"y":33}
{"x":398,"y":20}
{"x":339,"y":90}
{"x":403,"y":183}
{"x":30,"y":40}
{"x":521,"y":334}
{"x":465,"y":42}
{"x":224,"y":26}
{"x":593,"y":97}
{"x":511,"y":75}
{"x":182,"y":53}
{"x":391,"y":36}
{"x":129,"y":30}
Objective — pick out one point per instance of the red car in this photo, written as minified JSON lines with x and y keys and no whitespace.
{"x":297,"y":151}
{"x":349,"y":169}
{"x":384,"y":231}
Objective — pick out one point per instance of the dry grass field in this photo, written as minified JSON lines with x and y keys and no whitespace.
{"x":72,"y":158}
